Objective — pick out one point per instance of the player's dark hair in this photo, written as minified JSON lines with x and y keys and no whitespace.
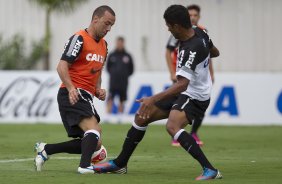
{"x":100,"y":11}
{"x":177,"y":14}
{"x":120,"y":38}
{"x":194,"y":7}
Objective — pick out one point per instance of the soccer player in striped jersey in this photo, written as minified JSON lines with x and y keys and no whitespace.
{"x":171,"y":57}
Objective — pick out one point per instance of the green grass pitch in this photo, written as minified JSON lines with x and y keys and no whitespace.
{"x":244,"y":155}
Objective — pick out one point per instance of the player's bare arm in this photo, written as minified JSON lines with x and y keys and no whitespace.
{"x":63,"y":71}
{"x":211,"y":70}
{"x":169,"y":65}
{"x":147,"y":102}
{"x":100,"y":93}
{"x":214,"y":52}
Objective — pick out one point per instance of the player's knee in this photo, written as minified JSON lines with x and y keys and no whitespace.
{"x":171,"y":128}
{"x":89,"y":124}
{"x":99,"y":129}
{"x":140,"y":121}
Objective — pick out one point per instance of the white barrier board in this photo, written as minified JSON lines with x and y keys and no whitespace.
{"x":237,"y":98}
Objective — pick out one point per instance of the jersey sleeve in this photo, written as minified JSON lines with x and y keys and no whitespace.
{"x":171,"y":43}
{"x":188,"y":59}
{"x":208,"y":38}
{"x":72,"y":49}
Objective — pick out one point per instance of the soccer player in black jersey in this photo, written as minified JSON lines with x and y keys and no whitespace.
{"x":189,"y":96}
{"x":171,"y":57}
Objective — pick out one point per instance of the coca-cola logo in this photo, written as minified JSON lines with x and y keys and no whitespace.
{"x":28,"y":97}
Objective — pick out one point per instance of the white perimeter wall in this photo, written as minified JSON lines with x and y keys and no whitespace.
{"x":247,"y":32}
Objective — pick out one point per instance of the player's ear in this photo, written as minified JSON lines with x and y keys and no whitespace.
{"x":95,"y":19}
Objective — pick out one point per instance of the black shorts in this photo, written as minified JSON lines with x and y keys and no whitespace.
{"x":166,"y":104}
{"x":192,"y":108}
{"x":73,"y":114}
{"x":121,"y":93}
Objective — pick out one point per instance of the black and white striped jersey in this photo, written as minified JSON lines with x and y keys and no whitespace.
{"x":193,"y":64}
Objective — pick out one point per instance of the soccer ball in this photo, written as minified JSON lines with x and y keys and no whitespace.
{"x":99,"y":156}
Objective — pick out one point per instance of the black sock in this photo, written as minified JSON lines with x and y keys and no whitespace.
{"x":132,"y":139}
{"x":88,"y":146}
{"x":190,"y":145}
{"x":72,"y":146}
{"x":196,"y":125}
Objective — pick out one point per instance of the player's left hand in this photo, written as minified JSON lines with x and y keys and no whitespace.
{"x":146,"y":106}
{"x":101,"y":94}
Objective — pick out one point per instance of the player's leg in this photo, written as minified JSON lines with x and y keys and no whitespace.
{"x":92,"y":132}
{"x":133,"y":137}
{"x":177,"y":119}
{"x":72,"y":147}
{"x":185,"y":110}
{"x":194,"y":129}
{"x":136,"y":134}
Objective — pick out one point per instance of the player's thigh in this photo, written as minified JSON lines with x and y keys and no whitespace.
{"x":90,"y":123}
{"x":176,"y":121}
{"x":155,"y":114}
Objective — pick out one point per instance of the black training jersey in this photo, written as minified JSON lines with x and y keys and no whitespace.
{"x":120,"y":66}
{"x":192,"y":63}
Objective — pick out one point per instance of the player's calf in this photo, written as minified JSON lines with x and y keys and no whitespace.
{"x":190,"y":145}
{"x":88,"y":145}
{"x":134,"y":135}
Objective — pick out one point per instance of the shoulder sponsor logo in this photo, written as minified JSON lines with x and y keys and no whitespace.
{"x":190,"y":61}
{"x":180,"y":56}
{"x":76,"y":48}
{"x":204,"y":42}
{"x":95,"y":57}
{"x":66,"y":44}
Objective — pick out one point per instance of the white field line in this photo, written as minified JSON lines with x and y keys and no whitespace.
{"x":58,"y":158}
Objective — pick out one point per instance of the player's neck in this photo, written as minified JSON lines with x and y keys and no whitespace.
{"x":91,"y":31}
{"x":187,"y":34}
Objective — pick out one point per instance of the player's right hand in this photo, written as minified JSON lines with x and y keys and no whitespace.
{"x":73,"y":96}
{"x":145,"y":107}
